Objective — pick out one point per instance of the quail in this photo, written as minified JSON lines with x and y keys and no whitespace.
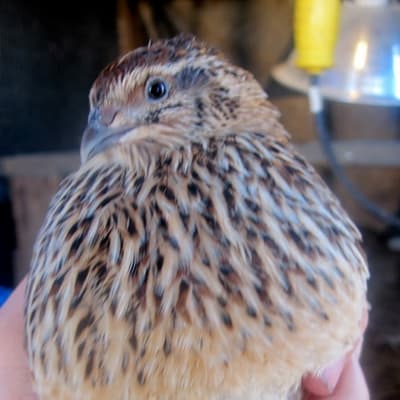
{"x":194,"y":254}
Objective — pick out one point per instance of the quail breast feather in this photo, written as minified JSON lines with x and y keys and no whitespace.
{"x":194,"y":254}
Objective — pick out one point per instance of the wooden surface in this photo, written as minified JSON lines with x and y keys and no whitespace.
{"x":40,"y":164}
{"x":371,"y":153}
{"x":30,"y":197}
{"x":33,"y":181}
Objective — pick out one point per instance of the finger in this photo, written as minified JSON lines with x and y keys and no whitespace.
{"x":351,"y":385}
{"x":15,"y":377}
{"x":324,"y":384}
{"x":12,"y":331}
{"x":13,"y":308}
{"x":15,"y":384}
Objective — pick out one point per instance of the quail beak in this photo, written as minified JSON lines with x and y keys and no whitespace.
{"x":97,"y":138}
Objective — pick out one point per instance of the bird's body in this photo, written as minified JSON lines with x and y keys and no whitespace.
{"x":198,"y":257}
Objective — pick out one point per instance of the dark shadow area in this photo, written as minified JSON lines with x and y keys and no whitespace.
{"x":50,"y":54}
{"x":7,"y":235}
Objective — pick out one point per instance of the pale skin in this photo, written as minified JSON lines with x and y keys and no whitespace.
{"x":341,"y":380}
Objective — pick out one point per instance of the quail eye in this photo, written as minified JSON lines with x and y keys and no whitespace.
{"x":156,"y":89}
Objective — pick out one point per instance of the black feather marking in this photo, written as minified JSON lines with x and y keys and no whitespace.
{"x":107,"y":200}
{"x":251,"y":205}
{"x":222,"y":301}
{"x":167,"y":347}
{"x":81,"y":277}
{"x":133,"y":341}
{"x":81,"y":347}
{"x":168,"y":193}
{"x":267,"y":321}
{"x":138,"y":184}
{"x":140,"y":378}
{"x":184,"y":218}
{"x":131,"y":227}
{"x":89,"y":364}
{"x":227,"y":320}
{"x":193,"y":188}
{"x":76,"y":244}
{"x":160,"y":262}
{"x":226,"y":269}
{"x":72,"y":230}
{"x":190,"y":77}
{"x":83,"y":324}
{"x":251,"y":311}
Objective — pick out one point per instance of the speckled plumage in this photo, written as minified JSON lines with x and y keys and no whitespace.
{"x":196,"y":257}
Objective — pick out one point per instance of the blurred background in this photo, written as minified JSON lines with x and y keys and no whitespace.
{"x":50,"y":53}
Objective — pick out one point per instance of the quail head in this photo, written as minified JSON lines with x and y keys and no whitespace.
{"x":194,"y":254}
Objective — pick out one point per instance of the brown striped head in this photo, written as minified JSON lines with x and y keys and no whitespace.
{"x":180,"y":87}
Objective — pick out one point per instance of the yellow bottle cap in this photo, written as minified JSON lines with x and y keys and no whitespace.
{"x":315,"y":33}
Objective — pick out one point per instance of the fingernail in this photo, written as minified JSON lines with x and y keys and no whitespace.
{"x":331,"y":374}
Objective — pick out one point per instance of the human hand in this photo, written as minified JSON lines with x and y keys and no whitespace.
{"x":15,"y":377}
{"x":341,"y":380}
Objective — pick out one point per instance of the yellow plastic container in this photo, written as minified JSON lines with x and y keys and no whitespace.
{"x":316,"y":24}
